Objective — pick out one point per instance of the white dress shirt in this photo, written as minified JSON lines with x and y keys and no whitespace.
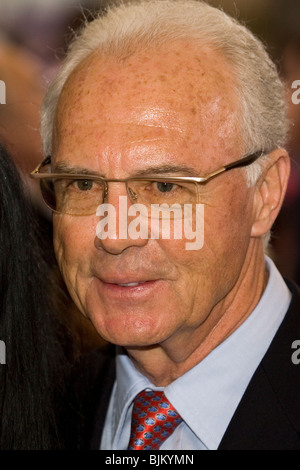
{"x":206,"y":396}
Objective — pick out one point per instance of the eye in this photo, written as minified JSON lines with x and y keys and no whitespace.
{"x":83,"y":185}
{"x":164,"y":187}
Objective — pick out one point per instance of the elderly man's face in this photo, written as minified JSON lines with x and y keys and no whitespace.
{"x":169,"y":107}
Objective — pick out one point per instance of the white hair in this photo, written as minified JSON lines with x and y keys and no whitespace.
{"x":132,"y":26}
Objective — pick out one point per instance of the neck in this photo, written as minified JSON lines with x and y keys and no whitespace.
{"x":165,"y":362}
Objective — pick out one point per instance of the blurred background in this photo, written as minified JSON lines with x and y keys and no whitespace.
{"x":33,"y":38}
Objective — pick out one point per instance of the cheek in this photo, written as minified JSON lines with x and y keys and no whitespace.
{"x":228,"y":234}
{"x":222,"y":224}
{"x":73,"y":242}
{"x":214,"y":262}
{"x":230,"y":218}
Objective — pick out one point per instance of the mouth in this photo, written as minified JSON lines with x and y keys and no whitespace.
{"x":122,"y":288}
{"x":131,"y":284}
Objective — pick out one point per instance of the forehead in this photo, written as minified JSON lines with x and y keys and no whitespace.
{"x":180,"y":91}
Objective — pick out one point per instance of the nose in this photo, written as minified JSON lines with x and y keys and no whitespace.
{"x":118,"y":229}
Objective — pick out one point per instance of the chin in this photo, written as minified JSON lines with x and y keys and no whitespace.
{"x":130,"y":331}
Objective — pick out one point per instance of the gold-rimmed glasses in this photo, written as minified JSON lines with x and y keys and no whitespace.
{"x":81,"y":194}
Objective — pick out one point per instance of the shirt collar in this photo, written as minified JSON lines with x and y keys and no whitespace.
{"x":129,"y":382}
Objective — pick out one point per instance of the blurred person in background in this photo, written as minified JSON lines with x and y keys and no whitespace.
{"x":35,"y":407}
{"x":22,"y":73}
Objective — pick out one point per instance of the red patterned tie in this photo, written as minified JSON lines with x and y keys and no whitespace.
{"x":153,"y":420}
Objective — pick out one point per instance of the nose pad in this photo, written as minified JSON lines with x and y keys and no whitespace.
{"x":132,"y":195}
{"x":105,"y":192}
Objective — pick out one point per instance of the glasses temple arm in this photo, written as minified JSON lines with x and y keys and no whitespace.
{"x":248,"y":160}
{"x":46,"y":161}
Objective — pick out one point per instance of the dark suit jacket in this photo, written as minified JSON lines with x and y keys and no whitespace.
{"x":267,"y":418}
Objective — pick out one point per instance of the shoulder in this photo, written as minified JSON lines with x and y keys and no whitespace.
{"x":282,"y":372}
{"x":268,"y":416}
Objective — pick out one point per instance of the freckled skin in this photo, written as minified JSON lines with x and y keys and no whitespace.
{"x":175,"y":105}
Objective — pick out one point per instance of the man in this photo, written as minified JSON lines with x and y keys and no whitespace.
{"x":152,"y":94}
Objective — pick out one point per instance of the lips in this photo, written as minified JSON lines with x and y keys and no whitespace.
{"x":125,"y":288}
{"x":129,"y":284}
{"x":126,"y":281}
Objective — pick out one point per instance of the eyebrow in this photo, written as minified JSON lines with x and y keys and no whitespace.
{"x":163,"y":169}
{"x":63,"y":167}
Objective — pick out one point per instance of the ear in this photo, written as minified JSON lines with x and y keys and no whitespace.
{"x":270,"y":192}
